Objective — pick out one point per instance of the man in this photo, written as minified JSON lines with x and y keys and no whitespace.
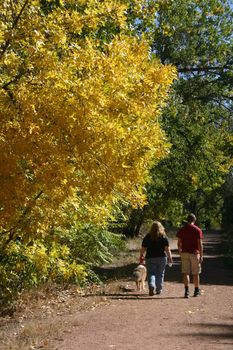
{"x":191,"y":252}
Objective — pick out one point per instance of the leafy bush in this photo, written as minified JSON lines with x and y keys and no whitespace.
{"x":93,"y":245}
{"x":24,"y":266}
{"x":67,"y":257}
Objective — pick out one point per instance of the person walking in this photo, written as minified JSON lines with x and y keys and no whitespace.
{"x":155,"y":247}
{"x":191,"y":252}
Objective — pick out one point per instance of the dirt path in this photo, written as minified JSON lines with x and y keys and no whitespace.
{"x":122,"y":319}
{"x":130,"y":320}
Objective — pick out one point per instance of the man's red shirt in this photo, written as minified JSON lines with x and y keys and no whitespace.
{"x":190,"y":236}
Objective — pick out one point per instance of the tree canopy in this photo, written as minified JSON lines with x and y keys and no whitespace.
{"x":196,"y":37}
{"x":80,"y":99}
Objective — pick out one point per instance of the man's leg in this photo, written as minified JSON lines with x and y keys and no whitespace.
{"x":196,"y":270}
{"x":186,"y":269}
{"x":196,"y":285}
{"x":186,"y":280}
{"x":196,"y":281}
{"x":186,"y":285}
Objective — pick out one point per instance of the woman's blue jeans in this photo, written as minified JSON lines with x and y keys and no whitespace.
{"x":155,"y":272}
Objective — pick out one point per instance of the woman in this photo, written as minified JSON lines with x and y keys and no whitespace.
{"x":156,"y":246}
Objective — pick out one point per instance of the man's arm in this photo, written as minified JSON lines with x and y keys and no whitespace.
{"x":200,"y":248}
{"x":179,"y":245}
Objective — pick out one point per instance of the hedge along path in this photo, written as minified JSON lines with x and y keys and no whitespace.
{"x":131,"y":320}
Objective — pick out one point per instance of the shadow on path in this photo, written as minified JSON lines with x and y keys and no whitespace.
{"x":214,"y":332}
{"x":214,"y":268}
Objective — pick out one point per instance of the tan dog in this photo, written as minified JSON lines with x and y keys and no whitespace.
{"x":139,"y":274}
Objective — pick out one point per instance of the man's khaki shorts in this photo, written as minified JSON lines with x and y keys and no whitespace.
{"x":190,"y":263}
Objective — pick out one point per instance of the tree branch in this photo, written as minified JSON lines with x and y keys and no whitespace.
{"x":12,"y":230}
{"x":14,"y":24}
{"x":202,"y":69}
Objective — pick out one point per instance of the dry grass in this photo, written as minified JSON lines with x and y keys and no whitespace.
{"x":130,"y":255}
{"x":42,"y":313}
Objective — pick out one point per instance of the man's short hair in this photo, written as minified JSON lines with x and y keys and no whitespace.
{"x":191,"y":218}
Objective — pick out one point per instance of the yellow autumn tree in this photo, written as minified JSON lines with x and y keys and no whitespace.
{"x":79,"y":112}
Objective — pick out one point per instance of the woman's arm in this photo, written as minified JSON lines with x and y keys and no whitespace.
{"x":169,"y":254}
{"x":142,"y":251}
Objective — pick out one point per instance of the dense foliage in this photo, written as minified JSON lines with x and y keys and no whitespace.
{"x":87,"y":128}
{"x":80,"y":100}
{"x":79,"y":116}
{"x":196,"y":37}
